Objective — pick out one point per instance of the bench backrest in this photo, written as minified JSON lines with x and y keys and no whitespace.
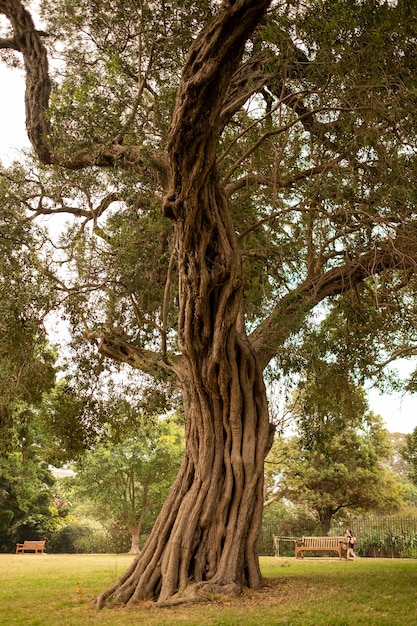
{"x":322,"y":542}
{"x":34,"y":544}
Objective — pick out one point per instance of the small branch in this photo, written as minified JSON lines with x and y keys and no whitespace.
{"x":280,"y":183}
{"x":398,"y":354}
{"x":10,"y":44}
{"x":251,"y":149}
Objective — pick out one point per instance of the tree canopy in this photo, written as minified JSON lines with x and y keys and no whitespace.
{"x":337,"y":460}
{"x":409,"y":454}
{"x":239,"y":182}
{"x":128,"y":481}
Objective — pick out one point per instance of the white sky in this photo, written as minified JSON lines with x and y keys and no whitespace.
{"x":399,"y":412}
{"x":12,"y":114}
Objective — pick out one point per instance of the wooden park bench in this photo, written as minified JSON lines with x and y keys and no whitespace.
{"x":37,"y":546}
{"x":320,"y":544}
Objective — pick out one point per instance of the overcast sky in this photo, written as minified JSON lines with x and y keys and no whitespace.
{"x":399,"y":412}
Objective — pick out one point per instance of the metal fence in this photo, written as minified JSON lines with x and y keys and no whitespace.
{"x":393,"y":536}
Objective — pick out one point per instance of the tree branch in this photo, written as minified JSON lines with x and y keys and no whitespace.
{"x":111,"y":344}
{"x":291,"y":311}
{"x":9,"y":44}
{"x":212,"y":60}
{"x":398,"y":354}
{"x":27,"y":40}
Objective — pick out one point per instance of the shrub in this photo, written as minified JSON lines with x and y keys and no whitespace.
{"x":79,"y":537}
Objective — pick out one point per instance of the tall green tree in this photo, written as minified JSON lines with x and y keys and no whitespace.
{"x":227,"y":166}
{"x":338,"y":460}
{"x":127,"y":482}
{"x":348,"y":475}
{"x":409,"y":454}
{"x":27,"y":360}
{"x":25,"y":497}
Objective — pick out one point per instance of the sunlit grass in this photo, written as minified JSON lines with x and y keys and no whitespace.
{"x":39,"y":590}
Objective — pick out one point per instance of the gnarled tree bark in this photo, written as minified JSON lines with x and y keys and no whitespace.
{"x":206,"y":535}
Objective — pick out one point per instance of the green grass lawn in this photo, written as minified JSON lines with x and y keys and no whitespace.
{"x":42,"y":590}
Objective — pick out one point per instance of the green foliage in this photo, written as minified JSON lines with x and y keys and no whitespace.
{"x":288,"y":520}
{"x":409,"y":454}
{"x":127,"y":480}
{"x":70,"y":421}
{"x":25,"y":498}
{"x":388,"y":544}
{"x":336,"y":460}
{"x":27,"y":361}
{"x":88,"y":536}
{"x":111,"y":48}
{"x":75,"y":537}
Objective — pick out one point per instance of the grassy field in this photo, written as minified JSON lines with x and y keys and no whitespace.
{"x":42,"y":590}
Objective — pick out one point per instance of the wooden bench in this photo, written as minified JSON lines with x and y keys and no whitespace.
{"x":37,"y":546}
{"x":320,"y":544}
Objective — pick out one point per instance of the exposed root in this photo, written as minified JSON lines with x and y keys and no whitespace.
{"x":200,"y":592}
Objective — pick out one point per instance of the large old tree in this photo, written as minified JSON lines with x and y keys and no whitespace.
{"x":232,"y":165}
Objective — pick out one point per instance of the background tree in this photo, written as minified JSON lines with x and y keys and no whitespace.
{"x":409,"y":454}
{"x":348,"y":476}
{"x":338,"y":461}
{"x":25,"y":497}
{"x":281,"y":157}
{"x":26,"y":358}
{"x":401,"y":467}
{"x":127,"y":482}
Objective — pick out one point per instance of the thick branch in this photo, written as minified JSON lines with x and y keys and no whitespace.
{"x":212,"y":61}
{"x":290,"y":313}
{"x":38,"y":85}
{"x":250,"y":78}
{"x":115,"y":347}
{"x":27,"y":40}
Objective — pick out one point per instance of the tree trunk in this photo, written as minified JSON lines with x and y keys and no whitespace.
{"x":134,"y":530}
{"x":205,"y":538}
{"x":208,"y":529}
{"x":325,"y":517}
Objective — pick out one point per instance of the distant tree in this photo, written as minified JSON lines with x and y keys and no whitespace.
{"x":397,"y":461}
{"x":127,"y":482}
{"x":409,"y":454}
{"x":338,"y":460}
{"x":26,"y":500}
{"x":348,"y":475}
